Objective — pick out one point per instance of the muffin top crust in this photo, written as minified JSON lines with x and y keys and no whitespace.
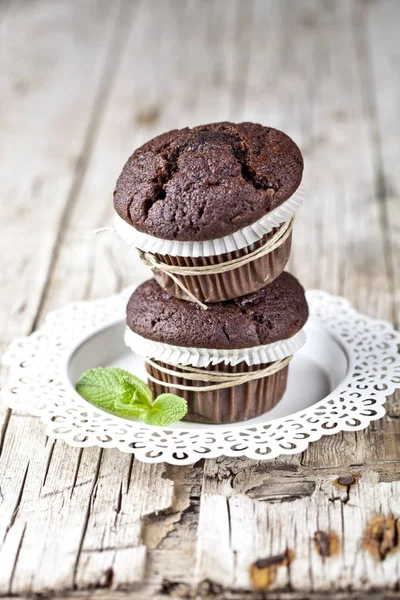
{"x":273,"y":313}
{"x":207,"y":182}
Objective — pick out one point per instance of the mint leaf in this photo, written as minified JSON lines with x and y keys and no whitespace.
{"x":125,"y":395}
{"x":167,"y":409}
{"x":115,"y":390}
{"x":142,"y":391}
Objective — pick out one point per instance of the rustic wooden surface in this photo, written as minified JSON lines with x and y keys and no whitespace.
{"x":84,"y":83}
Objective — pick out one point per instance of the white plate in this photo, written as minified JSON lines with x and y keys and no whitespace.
{"x":316,"y":369}
{"x":337,"y":382}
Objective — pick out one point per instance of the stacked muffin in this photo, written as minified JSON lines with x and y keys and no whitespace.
{"x":211,"y":210}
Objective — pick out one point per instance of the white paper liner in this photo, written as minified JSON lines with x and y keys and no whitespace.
{"x":229,"y":243}
{"x":202,"y":357}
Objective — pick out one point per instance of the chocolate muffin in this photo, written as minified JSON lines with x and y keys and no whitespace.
{"x":212,"y":195}
{"x":207,"y":182}
{"x":247,"y":328}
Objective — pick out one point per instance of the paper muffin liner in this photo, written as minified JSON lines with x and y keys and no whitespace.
{"x":203,"y":357}
{"x":218,"y":287}
{"x":229,"y":243}
{"x":228,"y":405}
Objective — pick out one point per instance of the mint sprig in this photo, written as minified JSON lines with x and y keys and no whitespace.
{"x":125,"y":395}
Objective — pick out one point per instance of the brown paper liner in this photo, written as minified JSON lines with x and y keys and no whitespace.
{"x":231,"y":284}
{"x":227,"y":405}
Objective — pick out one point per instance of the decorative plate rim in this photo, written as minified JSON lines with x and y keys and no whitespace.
{"x":39,"y":384}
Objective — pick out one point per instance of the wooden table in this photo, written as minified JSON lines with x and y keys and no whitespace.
{"x":82,"y":84}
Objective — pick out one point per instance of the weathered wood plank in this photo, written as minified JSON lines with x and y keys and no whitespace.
{"x":383,"y":93}
{"x":245,"y":529}
{"x":49,"y":131}
{"x":45,"y":128}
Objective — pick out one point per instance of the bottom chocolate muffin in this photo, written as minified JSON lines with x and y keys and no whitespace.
{"x":227,"y":405}
{"x":240,"y":337}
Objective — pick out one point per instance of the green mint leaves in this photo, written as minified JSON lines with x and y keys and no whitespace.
{"x":166,"y":409}
{"x":125,"y":395}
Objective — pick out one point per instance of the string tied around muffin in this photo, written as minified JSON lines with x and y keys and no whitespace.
{"x":151,"y":261}
{"x":218,"y":379}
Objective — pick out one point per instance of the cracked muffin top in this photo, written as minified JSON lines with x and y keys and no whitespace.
{"x":207,"y":182}
{"x":274,"y":313}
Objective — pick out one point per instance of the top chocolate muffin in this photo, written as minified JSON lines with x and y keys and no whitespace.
{"x":207,"y":182}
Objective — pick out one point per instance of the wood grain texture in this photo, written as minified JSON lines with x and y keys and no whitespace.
{"x":82,"y":85}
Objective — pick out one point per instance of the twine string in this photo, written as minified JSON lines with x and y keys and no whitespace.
{"x":279,"y":237}
{"x":146,"y":262}
{"x":103,"y":229}
{"x":219,"y":380}
{"x":152,"y":262}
